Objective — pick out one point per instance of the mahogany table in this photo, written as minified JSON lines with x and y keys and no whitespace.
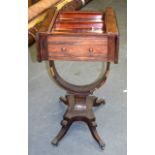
{"x":80,"y":36}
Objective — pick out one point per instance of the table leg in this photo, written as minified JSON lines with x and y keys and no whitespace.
{"x":96,"y":135}
{"x":62,"y":132}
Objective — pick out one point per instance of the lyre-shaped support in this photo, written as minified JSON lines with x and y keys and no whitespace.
{"x":80,"y":104}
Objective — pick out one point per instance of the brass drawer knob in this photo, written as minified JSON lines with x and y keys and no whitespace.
{"x":63,"y":49}
{"x":90,"y":51}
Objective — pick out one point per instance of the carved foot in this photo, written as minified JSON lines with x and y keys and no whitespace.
{"x":99,"y":102}
{"x":96,"y":135}
{"x":62,"y":132}
{"x":64,"y":100}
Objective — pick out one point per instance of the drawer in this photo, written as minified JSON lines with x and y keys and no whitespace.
{"x":61,"y":46}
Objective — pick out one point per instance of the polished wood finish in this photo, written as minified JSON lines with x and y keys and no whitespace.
{"x":79,"y":35}
{"x":110,"y":22}
{"x":67,"y":47}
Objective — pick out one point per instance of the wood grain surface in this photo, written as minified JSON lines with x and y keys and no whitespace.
{"x":80,"y":36}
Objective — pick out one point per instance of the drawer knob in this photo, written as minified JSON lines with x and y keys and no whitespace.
{"x":63,"y":49}
{"x":90,"y":51}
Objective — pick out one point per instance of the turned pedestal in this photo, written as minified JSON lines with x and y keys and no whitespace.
{"x":79,"y":109}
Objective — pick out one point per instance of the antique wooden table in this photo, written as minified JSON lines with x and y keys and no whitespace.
{"x":80,"y":36}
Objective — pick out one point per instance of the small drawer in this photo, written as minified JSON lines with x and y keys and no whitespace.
{"x":76,"y":51}
{"x":79,"y":47}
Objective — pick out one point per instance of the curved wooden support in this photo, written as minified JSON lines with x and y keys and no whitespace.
{"x":62,"y":132}
{"x":96,"y":136}
{"x":79,"y":90}
{"x":80,"y":104}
